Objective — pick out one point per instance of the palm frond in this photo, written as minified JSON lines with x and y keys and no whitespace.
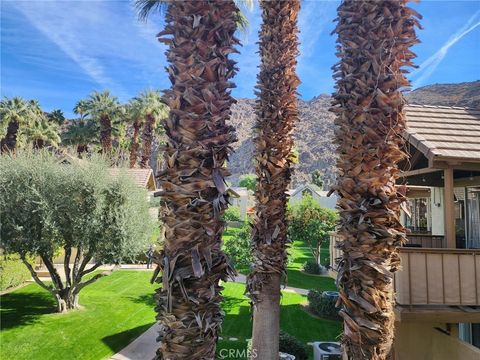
{"x":145,"y":7}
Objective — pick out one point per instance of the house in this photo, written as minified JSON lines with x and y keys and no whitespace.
{"x":244,"y":201}
{"x":296,"y":195}
{"x":143,"y":177}
{"x":437,"y":309}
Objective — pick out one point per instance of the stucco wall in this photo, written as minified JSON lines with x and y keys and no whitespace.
{"x":421,"y":341}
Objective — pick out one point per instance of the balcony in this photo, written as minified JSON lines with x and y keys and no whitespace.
{"x":433,"y":276}
{"x":438,"y":277}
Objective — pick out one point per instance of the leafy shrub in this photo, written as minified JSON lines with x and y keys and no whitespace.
{"x":248,"y":181}
{"x":322,"y":303}
{"x":238,"y":248}
{"x":311,"y":267}
{"x":12,"y":272}
{"x":232,"y":214}
{"x":291,"y":345}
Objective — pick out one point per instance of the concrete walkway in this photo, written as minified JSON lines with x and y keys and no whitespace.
{"x":145,"y":346}
{"x":142,"y":348}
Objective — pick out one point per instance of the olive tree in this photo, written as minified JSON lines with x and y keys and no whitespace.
{"x":47,"y":206}
{"x":311,"y":223}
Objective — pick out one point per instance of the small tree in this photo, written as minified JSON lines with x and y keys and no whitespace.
{"x":309,"y":222}
{"x":317,"y":178}
{"x":248,"y":181}
{"x":46,"y":206}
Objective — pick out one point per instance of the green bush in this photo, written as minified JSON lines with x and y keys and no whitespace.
{"x":322,"y":303}
{"x":232,"y":214}
{"x":291,"y":345}
{"x":238,"y":248}
{"x":12,"y":272}
{"x":248,"y":181}
{"x":311,"y":267}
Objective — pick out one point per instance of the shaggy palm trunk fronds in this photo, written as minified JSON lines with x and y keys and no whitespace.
{"x":9,"y":143}
{"x":147,"y":139}
{"x":200,"y":38}
{"x":106,"y":133}
{"x":374,"y":38}
{"x":276,"y":110}
{"x":134,"y":145}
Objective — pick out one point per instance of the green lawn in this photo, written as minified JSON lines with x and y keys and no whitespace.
{"x":118,"y":308}
{"x":299,"y":254}
{"x":293,"y":319}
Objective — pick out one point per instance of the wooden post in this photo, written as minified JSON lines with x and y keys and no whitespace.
{"x":449,"y":209}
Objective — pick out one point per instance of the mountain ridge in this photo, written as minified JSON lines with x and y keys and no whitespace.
{"x":314,"y":131}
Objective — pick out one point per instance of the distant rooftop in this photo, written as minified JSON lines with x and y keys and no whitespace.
{"x":444,"y":133}
{"x":142,"y":177}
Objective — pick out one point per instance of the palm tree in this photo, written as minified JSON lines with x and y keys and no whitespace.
{"x":104,"y":109}
{"x":41,"y":132}
{"x":276,"y":110}
{"x":81,"y":108}
{"x":80,"y":133}
{"x":56,"y":116}
{"x":136,"y":119}
{"x":200,"y":38}
{"x":14,"y":113}
{"x":374,"y":38}
{"x":152,"y":109}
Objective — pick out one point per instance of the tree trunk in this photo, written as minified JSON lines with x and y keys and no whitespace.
{"x":67,"y":300}
{"x":373,"y":45}
{"x":9,"y":143}
{"x":200,"y":38}
{"x":38,"y":144}
{"x":134,"y":144}
{"x":147,"y":138}
{"x":266,"y":317}
{"x":276,"y":109}
{"x":106,"y":133}
{"x":81,"y":149}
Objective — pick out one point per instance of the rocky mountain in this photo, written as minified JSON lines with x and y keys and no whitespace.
{"x":314,"y":131}
{"x":465,"y":94}
{"x":313,"y":139}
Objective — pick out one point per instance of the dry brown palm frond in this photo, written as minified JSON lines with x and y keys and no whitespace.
{"x":373,"y":45}
{"x":200,"y":38}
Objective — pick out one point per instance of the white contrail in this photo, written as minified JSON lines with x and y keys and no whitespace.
{"x":428,"y":66}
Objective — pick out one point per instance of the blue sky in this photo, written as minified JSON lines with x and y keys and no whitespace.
{"x":60,"y":51}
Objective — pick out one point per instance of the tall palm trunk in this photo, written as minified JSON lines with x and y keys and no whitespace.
{"x":147,"y":139}
{"x":276,"y":109}
{"x":200,"y":37}
{"x":134,"y":144}
{"x":106,"y":133}
{"x":373,"y":45}
{"x":9,"y":143}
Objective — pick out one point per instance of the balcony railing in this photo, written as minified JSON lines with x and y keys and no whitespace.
{"x":438,"y":277}
{"x":426,"y":240}
{"x":433,"y":276}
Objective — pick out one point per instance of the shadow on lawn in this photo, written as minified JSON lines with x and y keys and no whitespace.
{"x":120,"y":340}
{"x":147,"y":299}
{"x":19,"y":309}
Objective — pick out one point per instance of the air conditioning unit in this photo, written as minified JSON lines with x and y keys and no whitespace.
{"x":326,"y":350}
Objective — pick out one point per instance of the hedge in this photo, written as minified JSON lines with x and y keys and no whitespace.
{"x":13,"y":272}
